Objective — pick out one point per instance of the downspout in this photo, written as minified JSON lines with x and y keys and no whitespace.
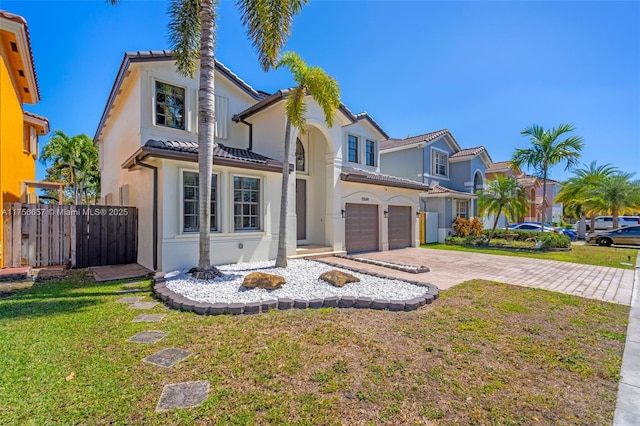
{"x":250,"y":134}
{"x":155,"y":210}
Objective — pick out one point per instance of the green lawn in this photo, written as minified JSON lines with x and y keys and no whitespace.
{"x":613,"y":257}
{"x":484,"y":353}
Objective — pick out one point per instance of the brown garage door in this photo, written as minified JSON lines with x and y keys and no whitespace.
{"x":361,"y":227}
{"x":399,"y":227}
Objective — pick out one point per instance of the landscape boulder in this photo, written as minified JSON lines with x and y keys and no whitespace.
{"x":338,"y":278}
{"x":263,"y":280}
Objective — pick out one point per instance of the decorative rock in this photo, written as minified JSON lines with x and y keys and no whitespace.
{"x":363,"y":302}
{"x":396,"y":305}
{"x":235,"y":308}
{"x":252,"y":308}
{"x":380,"y":304}
{"x":300,"y":304}
{"x":347,"y":302}
{"x":218,"y":308}
{"x":183,"y":395}
{"x":263,"y":280}
{"x":268,"y":305}
{"x":412,"y":304}
{"x":202,"y":308}
{"x":338,"y":278}
{"x":167,"y":358}
{"x":316,"y":303}
{"x":331,"y":302}
{"x":285,"y":303}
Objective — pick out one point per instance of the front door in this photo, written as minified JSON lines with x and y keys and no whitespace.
{"x":301,"y":208}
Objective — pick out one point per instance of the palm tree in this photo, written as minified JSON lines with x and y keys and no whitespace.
{"x":324,"y":90}
{"x":192,"y":38}
{"x":72,"y":156}
{"x":546,"y":151}
{"x":620,"y":193}
{"x":577,"y":192}
{"x":502,"y":195}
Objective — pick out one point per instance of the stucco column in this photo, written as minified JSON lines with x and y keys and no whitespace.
{"x":292,"y":219}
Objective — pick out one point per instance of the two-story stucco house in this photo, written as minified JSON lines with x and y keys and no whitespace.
{"x":19,"y":129}
{"x":148,"y":159}
{"x":454,"y":175}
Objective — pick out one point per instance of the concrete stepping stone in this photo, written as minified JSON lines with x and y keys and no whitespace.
{"x":142,"y":305}
{"x":129,"y":300}
{"x":129,"y":290}
{"x":149,"y":318}
{"x":167,"y":358}
{"x":149,"y":336}
{"x":183,"y":395}
{"x":133,"y":284}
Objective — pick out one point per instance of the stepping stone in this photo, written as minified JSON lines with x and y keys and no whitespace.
{"x":133,"y":284}
{"x":183,"y":395}
{"x":130,"y":290}
{"x":129,"y":300}
{"x":167,"y":358}
{"x":148,"y":337}
{"x":142,"y":305}
{"x":149,"y":318}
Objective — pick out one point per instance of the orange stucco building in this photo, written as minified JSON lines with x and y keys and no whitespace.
{"x":19,"y":130}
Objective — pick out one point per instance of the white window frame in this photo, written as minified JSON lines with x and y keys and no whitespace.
{"x":307,"y":156}
{"x":465,"y":213}
{"x":187,"y":100}
{"x":434,"y":170}
{"x":375,"y":152}
{"x":219,"y":184}
{"x":261,"y":210}
{"x":358,"y":148}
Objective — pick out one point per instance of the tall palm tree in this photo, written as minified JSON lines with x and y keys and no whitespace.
{"x":546,"y":151}
{"x":192,"y":38}
{"x":502,"y":195}
{"x":577,"y":191}
{"x":73,"y":156}
{"x":324,"y":90}
{"x":620,"y":193}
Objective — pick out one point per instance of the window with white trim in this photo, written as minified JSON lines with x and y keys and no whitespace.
{"x":246,"y":203}
{"x":370,"y":152}
{"x":301,"y":161}
{"x":440,"y":163}
{"x":352,"y":148}
{"x":170,"y":106}
{"x":191,"y":202}
{"x":462,"y":209}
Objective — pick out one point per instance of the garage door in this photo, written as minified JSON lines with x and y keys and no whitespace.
{"x":361,"y":227}
{"x":399,"y":227}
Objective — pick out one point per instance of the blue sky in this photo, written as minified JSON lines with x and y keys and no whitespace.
{"x":484,"y":70}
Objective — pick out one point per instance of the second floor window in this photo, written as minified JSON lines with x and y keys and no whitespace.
{"x":352,"y":146}
{"x":439,"y":163}
{"x":169,"y":106}
{"x":191,"y":202}
{"x":370,"y":153}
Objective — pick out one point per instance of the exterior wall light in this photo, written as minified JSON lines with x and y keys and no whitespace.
{"x":344,"y":213}
{"x":386,"y":214}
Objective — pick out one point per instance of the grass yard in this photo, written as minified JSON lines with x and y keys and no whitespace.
{"x":484,"y":353}
{"x":613,"y":257}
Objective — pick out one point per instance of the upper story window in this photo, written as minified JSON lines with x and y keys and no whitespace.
{"x":170,"y":102}
{"x":352,"y":147}
{"x":30,"y":142}
{"x":191,"y":202}
{"x":246,"y":203}
{"x":370,"y":153}
{"x":440,"y":163}
{"x":300,"y":158}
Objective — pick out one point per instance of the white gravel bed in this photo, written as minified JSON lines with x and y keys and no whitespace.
{"x":301,"y":283}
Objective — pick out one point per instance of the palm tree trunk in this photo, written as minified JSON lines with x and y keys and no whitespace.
{"x":614,"y":213}
{"x":281,"y":258}
{"x":495,"y":224}
{"x":544,"y":198}
{"x":206,"y":141}
{"x":582,"y":225}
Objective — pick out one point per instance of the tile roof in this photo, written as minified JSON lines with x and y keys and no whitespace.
{"x":497,"y":166}
{"x":427,"y":137}
{"x":20,"y":20}
{"x":469,"y":151}
{"x":220,"y":151}
{"x":365,"y":116}
{"x":437,"y":189}
{"x":362,"y":176}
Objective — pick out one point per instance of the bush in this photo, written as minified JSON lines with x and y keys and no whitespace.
{"x":464,"y":227}
{"x":553,"y":240}
{"x":476,"y":227}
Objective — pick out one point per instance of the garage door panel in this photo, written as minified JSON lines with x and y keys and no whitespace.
{"x":399,"y":227}
{"x":361,"y":227}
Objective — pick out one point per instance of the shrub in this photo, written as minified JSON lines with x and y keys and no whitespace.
{"x":464,"y":227}
{"x":476,"y":227}
{"x":553,"y":240}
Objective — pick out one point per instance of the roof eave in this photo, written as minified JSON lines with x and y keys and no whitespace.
{"x":362,"y":179}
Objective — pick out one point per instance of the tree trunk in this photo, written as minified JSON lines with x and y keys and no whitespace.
{"x":281,"y":258}
{"x":495,"y":224}
{"x":544,"y":198}
{"x":206,"y":139}
{"x":614,"y":213}
{"x":582,"y":225}
{"x":75,"y":187}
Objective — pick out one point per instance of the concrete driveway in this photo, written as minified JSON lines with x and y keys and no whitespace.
{"x":449,"y":268}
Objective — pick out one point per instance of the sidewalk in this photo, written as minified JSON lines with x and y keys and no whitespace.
{"x":628,"y":402}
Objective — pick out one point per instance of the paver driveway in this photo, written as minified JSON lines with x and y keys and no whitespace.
{"x":449,"y":268}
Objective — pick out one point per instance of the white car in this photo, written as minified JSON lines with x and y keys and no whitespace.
{"x":603,"y":223}
{"x":526,"y":226}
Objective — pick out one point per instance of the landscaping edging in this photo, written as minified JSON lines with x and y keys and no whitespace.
{"x":403,"y":268}
{"x":178,"y":301}
{"x":511,"y":248}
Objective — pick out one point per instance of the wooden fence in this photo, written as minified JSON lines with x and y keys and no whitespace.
{"x":80,"y":236}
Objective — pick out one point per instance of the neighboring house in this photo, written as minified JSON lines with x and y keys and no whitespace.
{"x":554,"y":211}
{"x":148,"y":159}
{"x":19,"y":129}
{"x":453,"y":173}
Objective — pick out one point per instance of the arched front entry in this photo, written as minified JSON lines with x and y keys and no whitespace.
{"x":478,"y":184}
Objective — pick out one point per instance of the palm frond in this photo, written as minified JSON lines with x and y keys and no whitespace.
{"x":184,"y":34}
{"x":325,"y":90}
{"x":296,"y":108}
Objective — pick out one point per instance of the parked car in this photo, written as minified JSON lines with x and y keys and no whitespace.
{"x":531,"y":226}
{"x":627,"y":235}
{"x":606,"y":222}
{"x":573,"y":235}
